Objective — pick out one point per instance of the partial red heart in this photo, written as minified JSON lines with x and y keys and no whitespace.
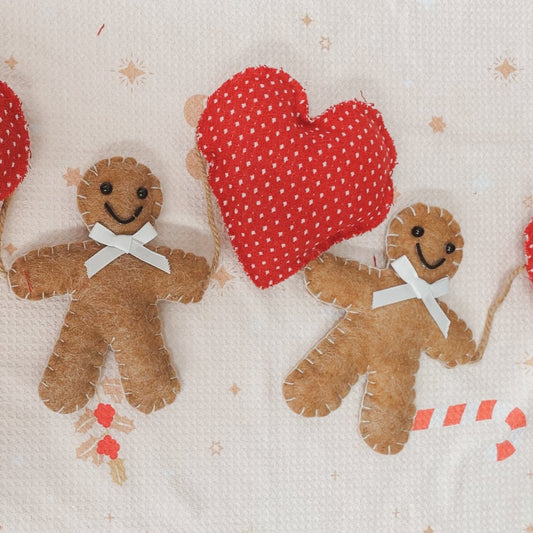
{"x":14,"y":142}
{"x":529,"y":249}
{"x":290,"y":186}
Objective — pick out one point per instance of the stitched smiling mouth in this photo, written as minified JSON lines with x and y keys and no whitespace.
{"x":136,"y":213}
{"x":424,"y":261}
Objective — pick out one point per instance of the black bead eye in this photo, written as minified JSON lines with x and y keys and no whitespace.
{"x":142,"y":193}
{"x":106,"y":188}
{"x":417,"y":231}
{"x":450,"y":248}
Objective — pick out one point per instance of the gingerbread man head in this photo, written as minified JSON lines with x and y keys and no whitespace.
{"x":120,"y":194}
{"x":430,"y":238}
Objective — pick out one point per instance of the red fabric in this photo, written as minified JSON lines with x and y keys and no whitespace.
{"x":14,"y":142}
{"x":108,"y":446}
{"x":290,"y":186}
{"x":104,"y":414}
{"x":529,"y":250}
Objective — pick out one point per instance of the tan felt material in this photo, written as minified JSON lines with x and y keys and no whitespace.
{"x":117,"y":307}
{"x":385,"y":343}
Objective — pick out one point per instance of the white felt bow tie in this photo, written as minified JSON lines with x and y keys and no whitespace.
{"x":415,"y":288}
{"x":117,"y":245}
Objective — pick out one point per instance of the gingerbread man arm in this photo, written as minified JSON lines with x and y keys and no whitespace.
{"x":188,"y":278}
{"x":458,"y":348}
{"x":345,"y":283}
{"x":51,"y":271}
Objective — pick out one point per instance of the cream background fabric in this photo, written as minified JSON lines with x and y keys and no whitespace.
{"x":239,"y":461}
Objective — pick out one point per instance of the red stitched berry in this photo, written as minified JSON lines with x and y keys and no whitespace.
{"x":104,"y":414}
{"x":108,"y":446}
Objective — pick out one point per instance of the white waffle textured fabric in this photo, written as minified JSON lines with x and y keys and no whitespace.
{"x":453,"y":80}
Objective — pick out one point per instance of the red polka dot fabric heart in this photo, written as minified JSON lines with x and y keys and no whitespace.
{"x":290,"y":186}
{"x":14,"y":142}
{"x":529,"y":249}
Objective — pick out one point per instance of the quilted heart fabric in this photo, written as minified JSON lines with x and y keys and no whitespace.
{"x":290,"y":186}
{"x":453,"y":83}
{"x":529,"y":249}
{"x":14,"y":142}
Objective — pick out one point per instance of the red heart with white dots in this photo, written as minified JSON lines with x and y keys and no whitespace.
{"x":14,"y":142}
{"x":529,"y":249}
{"x":290,"y":186}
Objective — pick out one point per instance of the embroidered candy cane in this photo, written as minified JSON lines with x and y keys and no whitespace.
{"x":465,"y":413}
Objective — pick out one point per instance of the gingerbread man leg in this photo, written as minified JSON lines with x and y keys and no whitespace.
{"x":73,"y":369}
{"x":388,"y":405}
{"x":148,"y":378}
{"x":325,"y":376}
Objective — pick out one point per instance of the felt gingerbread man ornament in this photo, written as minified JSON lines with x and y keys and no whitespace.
{"x":115,"y":280}
{"x":392,"y":315}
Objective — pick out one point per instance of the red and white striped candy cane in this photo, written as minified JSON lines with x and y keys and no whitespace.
{"x":465,"y":413}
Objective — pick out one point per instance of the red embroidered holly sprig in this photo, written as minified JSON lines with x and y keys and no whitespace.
{"x":101,"y":444}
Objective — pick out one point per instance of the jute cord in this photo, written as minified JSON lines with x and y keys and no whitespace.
{"x":3,"y":215}
{"x":498,"y":300}
{"x":210,"y":212}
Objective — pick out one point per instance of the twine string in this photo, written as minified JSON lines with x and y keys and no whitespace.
{"x":497,"y":302}
{"x":3,"y":214}
{"x":210,"y":212}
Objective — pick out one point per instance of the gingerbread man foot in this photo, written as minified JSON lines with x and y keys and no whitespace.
{"x":148,"y":378}
{"x":317,"y":386}
{"x":388,"y":406}
{"x":73,"y":369}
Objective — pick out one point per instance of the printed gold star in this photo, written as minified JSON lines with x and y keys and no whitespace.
{"x":11,"y":62}
{"x":10,"y":249}
{"x":131,"y":71}
{"x":109,"y":517}
{"x":216,"y":448}
{"x":395,"y":513}
{"x":325,"y":43}
{"x":335,"y":475}
{"x":429,"y":530}
{"x":530,"y":475}
{"x":222,"y":276}
{"x":505,"y":68}
{"x":234,"y":389}
{"x":529,"y":362}
{"x":307,"y":20}
{"x":437,"y":124}
{"x":528,"y":201}
{"x":72,"y":176}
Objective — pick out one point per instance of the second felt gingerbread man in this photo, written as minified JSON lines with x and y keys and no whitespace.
{"x":388,"y":323}
{"x":115,"y":282}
